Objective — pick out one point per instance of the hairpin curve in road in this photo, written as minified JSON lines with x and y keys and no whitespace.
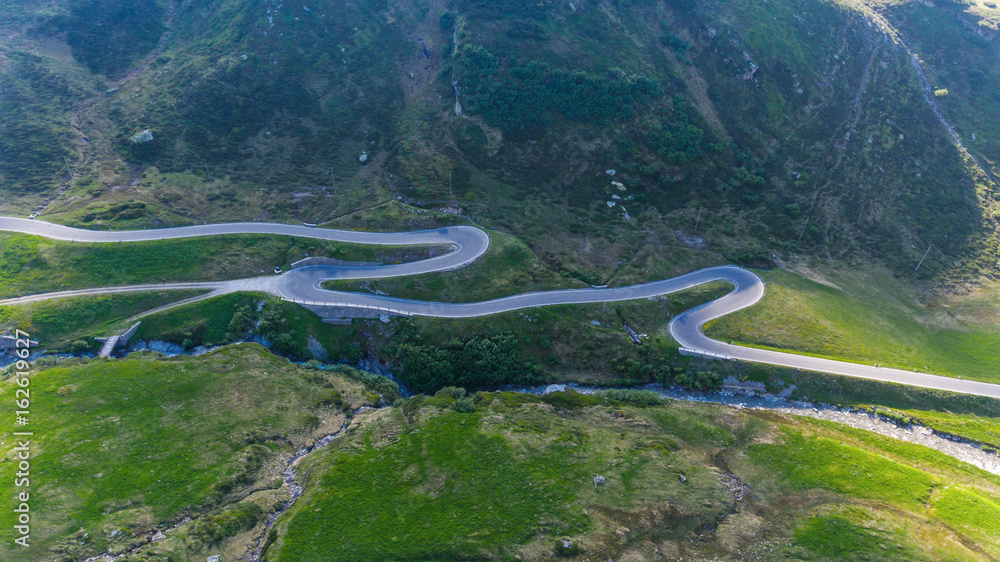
{"x":304,"y":286}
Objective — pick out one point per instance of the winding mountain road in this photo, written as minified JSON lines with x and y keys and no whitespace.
{"x":304,"y":286}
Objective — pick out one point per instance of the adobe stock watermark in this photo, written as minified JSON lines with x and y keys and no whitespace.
{"x":22,"y":439}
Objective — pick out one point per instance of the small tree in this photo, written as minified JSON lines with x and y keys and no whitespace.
{"x":240,"y":325}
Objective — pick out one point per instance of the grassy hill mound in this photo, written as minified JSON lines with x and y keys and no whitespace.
{"x":124,"y":448}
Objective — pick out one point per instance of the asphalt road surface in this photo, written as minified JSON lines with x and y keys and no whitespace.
{"x":303,"y":286}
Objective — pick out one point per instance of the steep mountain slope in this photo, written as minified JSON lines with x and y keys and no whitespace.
{"x":749,"y":129}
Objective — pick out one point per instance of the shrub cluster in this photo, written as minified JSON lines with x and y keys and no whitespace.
{"x":271,"y":324}
{"x":702,"y":380}
{"x":632,"y":396}
{"x":477,"y":362}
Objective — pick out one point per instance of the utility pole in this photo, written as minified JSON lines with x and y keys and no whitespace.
{"x":923,"y":258}
{"x":68,"y":169}
{"x":450,"y":196}
{"x":698,"y":220}
{"x":803,"y":230}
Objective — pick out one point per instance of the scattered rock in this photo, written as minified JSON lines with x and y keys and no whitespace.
{"x":316,"y":349}
{"x":143,"y":137}
{"x":363,"y":158}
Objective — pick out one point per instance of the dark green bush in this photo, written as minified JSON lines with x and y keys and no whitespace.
{"x":702,"y":380}
{"x":452,"y":391}
{"x":465,"y":405}
{"x":446,"y":19}
{"x":632,"y":396}
{"x":571,"y":399}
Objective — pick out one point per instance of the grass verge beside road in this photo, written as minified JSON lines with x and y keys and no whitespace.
{"x":872,"y":318}
{"x":71,"y":324}
{"x":32,"y":264}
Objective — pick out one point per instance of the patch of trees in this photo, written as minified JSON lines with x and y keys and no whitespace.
{"x":634,"y":372}
{"x":522,"y":98}
{"x":446,"y":20}
{"x":701,"y":380}
{"x":477,"y":362}
{"x":271,"y":325}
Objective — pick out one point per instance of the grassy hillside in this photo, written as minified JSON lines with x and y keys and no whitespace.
{"x":871,"y":317}
{"x":516,"y":478}
{"x":957,"y":43}
{"x":747,"y":129}
{"x":125,"y":447}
